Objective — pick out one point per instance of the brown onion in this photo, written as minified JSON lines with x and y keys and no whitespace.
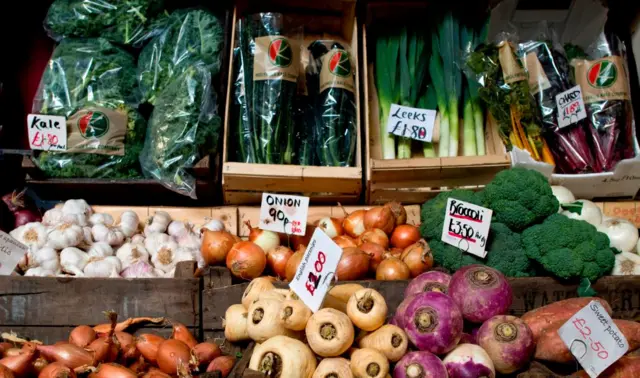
{"x":127,"y":346}
{"x":57,"y":370}
{"x":353,"y":265}
{"x":404,"y":235}
{"x":418,"y":257}
{"x":216,"y":245}
{"x":206,"y":352}
{"x":39,"y":364}
{"x":4,"y":347}
{"x":264,"y":239}
{"x":246,"y":260}
{"x":139,"y":366}
{"x":396,"y":252}
{"x":375,"y":235}
{"x":148,"y":344}
{"x":182,"y":333}
{"x":68,"y":354}
{"x":392,"y":269}
{"x":20,"y":365}
{"x":353,"y":223}
{"x":298,"y":241}
{"x":293,"y":263}
{"x":15,"y":351}
{"x":398,"y":211}
{"x":82,"y":336}
{"x":5,"y":372}
{"x":344,"y":241}
{"x":223,"y":364}
{"x":277,"y":260}
{"x":380,"y":217}
{"x":100,"y":348}
{"x":156,"y":373}
{"x":172,"y":355}
{"x":375,"y":252}
{"x":111,"y":370}
{"x":331,"y":226}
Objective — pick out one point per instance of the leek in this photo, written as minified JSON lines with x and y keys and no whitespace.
{"x":469,"y":133}
{"x":473,"y":122}
{"x":428,"y":101}
{"x":437,"y":79}
{"x":387,"y":48}
{"x":449,"y":49}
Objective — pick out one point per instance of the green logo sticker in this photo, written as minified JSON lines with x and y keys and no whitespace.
{"x":340,"y":64}
{"x":602,"y":74}
{"x":93,"y":124}
{"x":280,"y":53}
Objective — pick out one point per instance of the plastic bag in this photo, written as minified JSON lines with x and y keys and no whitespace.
{"x":121,"y":21}
{"x":184,"y":37}
{"x":93,"y":84}
{"x":183,"y":128}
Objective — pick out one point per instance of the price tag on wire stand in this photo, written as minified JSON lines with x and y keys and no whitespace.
{"x":571,"y":107}
{"x":284,"y":213}
{"x":11,"y":251}
{"x":316,"y":271}
{"x":47,"y":132}
{"x":411,"y":123}
{"x":466,"y":226}
{"x":593,"y":339}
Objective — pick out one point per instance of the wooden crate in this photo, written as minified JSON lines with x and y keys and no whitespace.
{"x":417,"y":179}
{"x":244,"y":183}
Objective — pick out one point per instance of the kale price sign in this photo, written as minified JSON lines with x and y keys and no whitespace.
{"x":46,"y":132}
{"x":411,"y":122}
{"x":284,"y":213}
{"x":466,"y":226}
{"x":571,"y":107}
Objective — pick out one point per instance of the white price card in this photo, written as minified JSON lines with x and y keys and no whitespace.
{"x":571,"y":107}
{"x":593,"y":339}
{"x":284,"y":213}
{"x":411,"y":123}
{"x":11,"y":251}
{"x":47,"y":132}
{"x":466,"y":226}
{"x":316,"y":270}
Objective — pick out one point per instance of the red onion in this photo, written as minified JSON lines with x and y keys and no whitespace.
{"x":508,"y":341}
{"x":469,"y":360}
{"x":25,"y":216}
{"x":481,"y":292}
{"x":428,"y":281}
{"x":420,"y":365}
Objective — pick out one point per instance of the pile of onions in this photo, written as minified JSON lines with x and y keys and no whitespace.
{"x":216,"y":245}
{"x":246,"y":260}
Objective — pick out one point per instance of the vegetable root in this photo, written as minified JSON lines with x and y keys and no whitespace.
{"x":367,"y":309}
{"x":295,"y":315}
{"x":329,"y":332}
{"x":283,"y":357}
{"x":389,"y":340}
{"x":369,"y":363}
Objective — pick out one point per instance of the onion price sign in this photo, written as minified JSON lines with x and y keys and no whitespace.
{"x":571,"y":107}
{"x":11,"y":251}
{"x":317,"y":270}
{"x":46,"y":132}
{"x":283,"y":213}
{"x":593,"y":339}
{"x":466,"y":226}
{"x":411,"y":123}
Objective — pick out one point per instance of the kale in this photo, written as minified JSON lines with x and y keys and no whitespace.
{"x":121,"y":21}
{"x":182,"y":129}
{"x":185,"y":37}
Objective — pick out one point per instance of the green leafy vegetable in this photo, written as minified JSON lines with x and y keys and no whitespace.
{"x":387,"y":77}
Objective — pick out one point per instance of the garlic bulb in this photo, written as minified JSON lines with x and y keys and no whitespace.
{"x":103,"y":267}
{"x":79,"y":206}
{"x":39,"y":272}
{"x":100,"y":249}
{"x":45,"y":258}
{"x":52,"y":217}
{"x":583,"y":210}
{"x":626,"y":263}
{"x":189,"y":241}
{"x":157,"y":223}
{"x":212,"y":225}
{"x":129,"y":223}
{"x":167,"y":258}
{"x":132,"y":253}
{"x":73,"y":260}
{"x":197,"y":256}
{"x":111,"y":235}
{"x":65,"y":235}
{"x":154,"y":241}
{"x":140,"y":269}
{"x":137,"y":239}
{"x":178,"y":229}
{"x":622,"y":233}
{"x":32,"y":234}
{"x":88,"y":238}
{"x":101,"y":218}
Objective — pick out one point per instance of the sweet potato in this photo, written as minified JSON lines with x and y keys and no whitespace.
{"x":543,"y":317}
{"x":626,"y":366}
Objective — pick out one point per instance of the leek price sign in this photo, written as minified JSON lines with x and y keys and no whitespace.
{"x":411,"y":123}
{"x":571,"y":107}
{"x":466,"y":226}
{"x":283,"y":213}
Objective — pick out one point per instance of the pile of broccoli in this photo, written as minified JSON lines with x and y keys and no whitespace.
{"x":527,"y":236}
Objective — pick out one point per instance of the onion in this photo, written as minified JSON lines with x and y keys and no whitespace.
{"x":155,"y":373}
{"x":353,"y":265}
{"x":404,"y":235}
{"x":206,"y":352}
{"x":4,"y":346}
{"x":56,"y":370}
{"x":38,"y":365}
{"x":277,"y":260}
{"x":418,"y":257}
{"x":380,"y":217}
{"x":223,"y":364}
{"x":216,"y":245}
{"x":292,"y":264}
{"x":82,"y":336}
{"x":481,"y":292}
{"x":428,"y":281}
{"x":148,"y":344}
{"x":111,"y":370}
{"x":433,"y":322}
{"x":469,"y":360}
{"x":298,"y":241}
{"x":398,"y":211}
{"x":100,"y":349}
{"x":25,"y":216}
{"x":375,"y":235}
{"x":68,"y":354}
{"x":353,"y":223}
{"x":127,"y":342}
{"x":622,"y":234}
{"x":5,"y":372}
{"x":182,"y":333}
{"x":246,"y":260}
{"x":20,"y":365}
{"x":562,"y":194}
{"x":263,"y":238}
{"x":396,"y":252}
{"x":375,"y":252}
{"x":420,"y":365}
{"x":392,"y":269}
{"x":172,"y":354}
{"x":331,"y":226}
{"x":583,"y":210}
{"x":344,"y":241}
{"x":508,"y":341}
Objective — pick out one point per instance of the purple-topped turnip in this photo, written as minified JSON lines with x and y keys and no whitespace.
{"x":433,"y":322}
{"x":508,"y":341}
{"x":420,"y":365}
{"x":481,"y":292}
{"x":469,"y":361}
{"x":428,"y":281}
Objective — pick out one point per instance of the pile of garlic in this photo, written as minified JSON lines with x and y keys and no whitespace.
{"x":72,"y":240}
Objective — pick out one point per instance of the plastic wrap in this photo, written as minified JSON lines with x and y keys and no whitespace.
{"x":183,"y":128}
{"x":89,"y":81}
{"x":121,"y":21}
{"x":184,"y":37}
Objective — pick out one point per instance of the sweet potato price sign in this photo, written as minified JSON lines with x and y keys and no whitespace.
{"x":284,"y":213}
{"x":466,"y":226}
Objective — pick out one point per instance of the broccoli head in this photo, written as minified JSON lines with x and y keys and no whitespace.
{"x":433,"y":211}
{"x":569,"y":248}
{"x":519,"y":198}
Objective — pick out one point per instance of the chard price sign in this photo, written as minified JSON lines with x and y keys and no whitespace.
{"x":411,"y":123}
{"x":466,"y":226}
{"x":571,"y":107}
{"x":284,"y":213}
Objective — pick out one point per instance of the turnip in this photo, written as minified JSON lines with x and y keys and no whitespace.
{"x":508,"y":341}
{"x":420,"y":365}
{"x":428,"y":281}
{"x":469,"y":360}
{"x":481,"y":292}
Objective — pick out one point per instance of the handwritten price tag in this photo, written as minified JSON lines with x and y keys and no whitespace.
{"x":317,"y":270}
{"x":411,"y":123}
{"x":46,"y":132}
{"x":571,"y":107}
{"x":283,"y":213}
{"x":593,"y":339}
{"x":466,"y":226}
{"x":11,"y":251}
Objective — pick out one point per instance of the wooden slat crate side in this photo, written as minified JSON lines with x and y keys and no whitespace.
{"x":245,"y":198}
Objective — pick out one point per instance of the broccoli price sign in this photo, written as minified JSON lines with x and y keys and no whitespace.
{"x":316,"y":271}
{"x":46,"y":132}
{"x":411,"y":122}
{"x":11,"y":251}
{"x":283,"y":213}
{"x":466,"y":226}
{"x":593,"y":338}
{"x":570,"y":106}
